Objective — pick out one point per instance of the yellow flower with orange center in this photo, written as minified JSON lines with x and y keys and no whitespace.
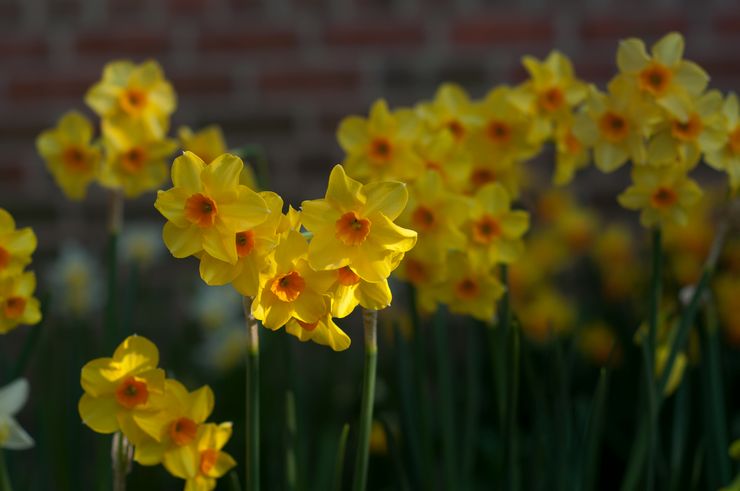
{"x":135,"y":161}
{"x":121,"y":388}
{"x":662,"y":196}
{"x":451,"y":111}
{"x":202,"y":461}
{"x":253,"y":248}
{"x":381,"y":146}
{"x":17,"y":304}
{"x":207,"y":143}
{"x":485,"y":169}
{"x":71,"y":157}
{"x":290,"y":288}
{"x":136,"y":93}
{"x":662,"y":75}
{"x":324,"y":332}
{"x":353,"y":226}
{"x":571,"y":154}
{"x":175,"y":426}
{"x":441,"y":154}
{"x":727,"y":157}
{"x":546,"y":315}
{"x":16,"y":246}
{"x":207,"y":207}
{"x":599,"y":344}
{"x":349,"y":291}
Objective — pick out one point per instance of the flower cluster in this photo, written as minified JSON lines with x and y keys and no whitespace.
{"x":17,"y":303}
{"x":164,"y":421}
{"x":297,"y":281}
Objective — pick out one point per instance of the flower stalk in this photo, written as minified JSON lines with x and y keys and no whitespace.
{"x":4,"y":477}
{"x":252,"y":467}
{"x":115,"y":224}
{"x":370,"y":325}
{"x":122,"y":454}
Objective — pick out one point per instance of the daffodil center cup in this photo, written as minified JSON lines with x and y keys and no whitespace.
{"x":456,"y":128}
{"x":4,"y":258}
{"x":308,"y":326}
{"x":381,"y":150}
{"x":485,"y":229}
{"x":734,"y":140}
{"x":347,"y":277}
{"x":133,"y":101}
{"x":688,"y":130}
{"x":208,"y":459}
{"x":663,"y":197}
{"x":14,"y":307}
{"x":351,"y":229}
{"x":499,"y":132}
{"x":467,"y":289}
{"x":613,"y":126}
{"x":244,"y":243}
{"x":416,"y":272}
{"x":132,"y":161}
{"x":74,"y":159}
{"x":201,"y":210}
{"x":655,"y":79}
{"x":183,"y":431}
{"x":551,"y":99}
{"x":132,"y":393}
{"x":288,"y":287}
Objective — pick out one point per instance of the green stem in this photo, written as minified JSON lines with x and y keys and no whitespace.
{"x":339,"y":463}
{"x":121,"y":454}
{"x":370,"y":323}
{"x":447,"y":400}
{"x":655,"y":294}
{"x":4,"y":477}
{"x":252,"y":437}
{"x":32,"y":342}
{"x":472,"y":401}
{"x":115,"y":223}
{"x":291,"y":469}
{"x":594,"y":431}
{"x":512,"y":450}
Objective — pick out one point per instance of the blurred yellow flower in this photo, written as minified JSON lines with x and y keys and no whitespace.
{"x":324,"y":332}
{"x":71,"y":157}
{"x":441,"y":154}
{"x":207,"y":143}
{"x":202,"y":461}
{"x":119,"y":389}
{"x":571,"y":154}
{"x":599,"y":344}
{"x":662,"y":196}
{"x":381,"y":146}
{"x":545,"y":315}
{"x":76,"y":281}
{"x":662,"y":352}
{"x":353,"y":226}
{"x":450,"y":111}
{"x":16,"y":246}
{"x":17,"y":304}
{"x":727,"y":157}
{"x":135,"y":161}
{"x":207,"y":207}
{"x":349,"y":290}
{"x":133,"y":92}
{"x":175,"y":426}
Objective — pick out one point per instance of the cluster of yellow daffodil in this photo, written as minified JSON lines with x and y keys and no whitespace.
{"x":17,"y":303}
{"x":164,"y":421}
{"x":135,"y":103}
{"x":300,"y":281}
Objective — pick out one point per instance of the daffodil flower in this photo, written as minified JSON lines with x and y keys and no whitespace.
{"x":17,"y":304}
{"x":16,"y":246}
{"x":324,"y":332}
{"x":12,"y":398}
{"x":202,"y":461}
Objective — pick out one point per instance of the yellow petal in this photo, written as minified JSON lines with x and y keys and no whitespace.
{"x":99,"y":413}
{"x":374,"y":296}
{"x":201,"y":404}
{"x":186,"y":172}
{"x":182,"y":462}
{"x":343,"y":192}
{"x":669,"y":49}
{"x":387,"y":197}
{"x":182,"y":242}
{"x":171,"y":204}
{"x":136,"y":353}
{"x":223,"y":172}
{"x":216,"y":272}
{"x":352,"y":133}
{"x":631,"y":55}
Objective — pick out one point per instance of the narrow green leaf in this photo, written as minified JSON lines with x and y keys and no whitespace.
{"x":594,"y":431}
{"x":339,"y":463}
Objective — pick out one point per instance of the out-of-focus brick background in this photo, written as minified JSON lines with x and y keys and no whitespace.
{"x":283,"y":72}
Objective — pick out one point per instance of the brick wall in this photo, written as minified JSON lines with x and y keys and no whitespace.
{"x":283,"y":72}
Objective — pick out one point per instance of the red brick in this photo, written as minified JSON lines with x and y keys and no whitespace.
{"x":608,"y":27}
{"x":727,"y":23}
{"x":501,"y":29}
{"x":376,"y":35}
{"x":248,"y":39}
{"x":25,"y":47}
{"x":9,"y":13}
{"x":187,"y":7}
{"x":48,"y":87}
{"x":123,"y":43}
{"x":309,"y":80}
{"x":201,"y":84}
{"x":11,"y":173}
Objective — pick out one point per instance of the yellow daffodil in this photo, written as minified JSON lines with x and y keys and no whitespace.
{"x":727,"y":157}
{"x":662,"y":352}
{"x":324,"y":332}
{"x":662,"y":196}
{"x":493,"y":229}
{"x":577,"y":229}
{"x":77,"y":283}
{"x":207,"y":143}
{"x":615,"y":258}
{"x":552,"y":90}
{"x":507,"y":133}
{"x":615,"y":126}
{"x":450,"y":111}
{"x":202,"y":461}
{"x":599,"y":344}
{"x":17,"y":304}
{"x":290,"y":288}
{"x":687,"y":246}
{"x":727,"y":289}
{"x":71,"y":157}
{"x":664,"y":74}
{"x":571,"y":154}
{"x":253,"y":247}
{"x":133,"y":92}
{"x":173,"y":428}
{"x":119,"y":389}
{"x":349,"y":291}
{"x":425,"y":267}
{"x":440,"y":153}
{"x":353,"y":226}
{"x":484,"y":169}
{"x":470,"y":288}
{"x":546,"y":314}
{"x":381,"y":146}
{"x":685,"y":138}
{"x":435,"y":213}
{"x":12,"y":399}
{"x":135,"y":162}
{"x":207,"y":207}
{"x":16,"y":246}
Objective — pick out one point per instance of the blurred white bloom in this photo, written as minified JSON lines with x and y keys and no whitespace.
{"x":216,"y":306}
{"x":224,"y":348}
{"x":12,"y":398}
{"x":76,"y":282}
{"x":142,"y":244}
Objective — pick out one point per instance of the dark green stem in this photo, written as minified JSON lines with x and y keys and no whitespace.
{"x":339,"y":463}
{"x":370,"y":323}
{"x":115,"y":222}
{"x":447,"y":400}
{"x":655,"y":294}
{"x":291,"y":469}
{"x":4,"y":477}
{"x":252,"y":437}
{"x":472,"y":401}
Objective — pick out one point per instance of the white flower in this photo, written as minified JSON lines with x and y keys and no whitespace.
{"x":76,"y":282}
{"x":12,"y":398}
